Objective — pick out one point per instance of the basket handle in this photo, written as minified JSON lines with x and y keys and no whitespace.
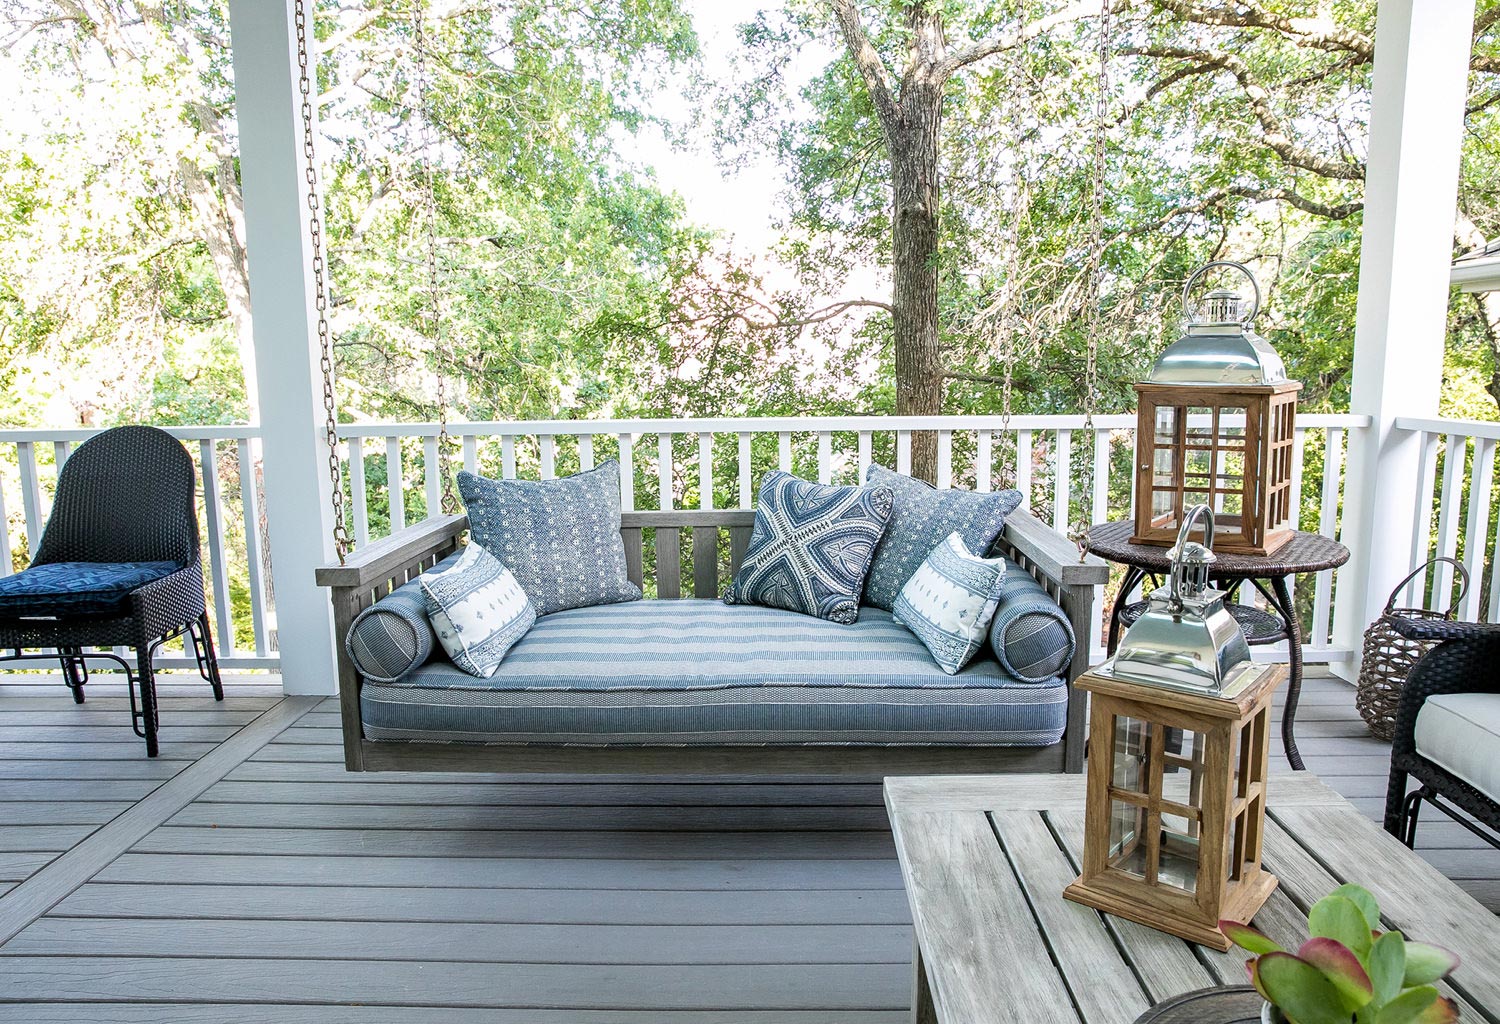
{"x":1463,"y":582}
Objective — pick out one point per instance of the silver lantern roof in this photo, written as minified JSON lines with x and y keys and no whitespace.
{"x":1186,"y":639}
{"x":1219,"y":348}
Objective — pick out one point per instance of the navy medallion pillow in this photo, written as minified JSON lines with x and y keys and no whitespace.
{"x":921,"y":517}
{"x":811,"y":547}
{"x":561,"y":538}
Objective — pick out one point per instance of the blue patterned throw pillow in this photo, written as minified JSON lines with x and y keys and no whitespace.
{"x":561,"y":538}
{"x":949,"y":602}
{"x":477,"y":610}
{"x":921,"y":517}
{"x":811,"y":547}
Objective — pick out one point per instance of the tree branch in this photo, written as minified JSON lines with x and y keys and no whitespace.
{"x":870,"y":66}
{"x":1275,"y":136}
{"x":1315,"y":32}
{"x":1291,"y":197}
{"x":1007,"y":40}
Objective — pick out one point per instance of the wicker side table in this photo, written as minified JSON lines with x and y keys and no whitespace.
{"x":1304,"y":553}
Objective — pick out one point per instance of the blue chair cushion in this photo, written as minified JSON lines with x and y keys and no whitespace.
{"x":64,"y":589}
{"x":701,"y":672}
{"x":1030,"y":635}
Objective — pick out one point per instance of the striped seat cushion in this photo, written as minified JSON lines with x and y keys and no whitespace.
{"x":701,"y":672}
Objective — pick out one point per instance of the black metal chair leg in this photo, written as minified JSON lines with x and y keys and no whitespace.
{"x":1410,"y":811}
{"x":207,"y":655}
{"x":1395,"y":803}
{"x":145,"y":720}
{"x":75,"y":671}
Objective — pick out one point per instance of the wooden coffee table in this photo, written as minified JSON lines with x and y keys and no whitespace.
{"x":985,"y":859}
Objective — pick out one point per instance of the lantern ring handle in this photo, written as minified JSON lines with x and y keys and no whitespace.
{"x":1232,"y":265}
{"x":1198,"y":515}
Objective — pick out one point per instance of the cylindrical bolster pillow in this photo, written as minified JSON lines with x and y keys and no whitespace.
{"x":1030,"y":635}
{"x":392,"y":636}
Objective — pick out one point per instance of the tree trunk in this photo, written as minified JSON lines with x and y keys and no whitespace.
{"x":914,"y":250}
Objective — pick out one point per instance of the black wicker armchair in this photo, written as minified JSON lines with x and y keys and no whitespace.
{"x":1465,"y":662}
{"x":117,"y":566}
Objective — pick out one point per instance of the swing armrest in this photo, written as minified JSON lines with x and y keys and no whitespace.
{"x":378,"y":562}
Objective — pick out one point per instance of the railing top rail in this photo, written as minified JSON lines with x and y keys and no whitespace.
{"x":797,"y":424}
{"x":1441,"y":425}
{"x":187,"y":433}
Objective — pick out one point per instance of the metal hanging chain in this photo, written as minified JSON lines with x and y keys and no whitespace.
{"x":433,"y":313}
{"x":341,"y":543}
{"x":1095,"y":320}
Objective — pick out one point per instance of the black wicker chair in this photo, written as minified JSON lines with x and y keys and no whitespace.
{"x":1467,"y":660}
{"x":118,"y":566}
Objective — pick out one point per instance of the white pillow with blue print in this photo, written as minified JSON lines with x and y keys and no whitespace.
{"x":949,"y":602}
{"x":477,"y":610}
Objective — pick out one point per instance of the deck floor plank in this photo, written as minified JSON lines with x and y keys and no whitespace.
{"x":287,"y":890}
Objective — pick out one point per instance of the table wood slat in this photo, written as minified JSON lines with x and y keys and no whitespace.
{"x":967,"y":909}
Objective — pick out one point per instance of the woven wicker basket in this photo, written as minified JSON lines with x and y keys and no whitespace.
{"x":1388,"y":656}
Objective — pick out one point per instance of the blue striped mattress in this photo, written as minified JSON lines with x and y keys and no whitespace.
{"x":682,"y":672}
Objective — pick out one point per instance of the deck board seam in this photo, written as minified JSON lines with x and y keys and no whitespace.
{"x":67,"y":872}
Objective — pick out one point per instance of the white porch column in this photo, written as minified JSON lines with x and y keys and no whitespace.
{"x":297,"y":487}
{"x":1416,"y":124}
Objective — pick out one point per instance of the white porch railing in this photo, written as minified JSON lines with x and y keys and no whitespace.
{"x":1456,"y":512}
{"x":1068,"y":470}
{"x":237,"y":583}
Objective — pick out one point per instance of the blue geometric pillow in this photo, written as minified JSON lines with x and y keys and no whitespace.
{"x":921,"y":517}
{"x":949,"y":601}
{"x":811,"y":547}
{"x":560,"y":537}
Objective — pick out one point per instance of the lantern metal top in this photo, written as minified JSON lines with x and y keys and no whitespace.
{"x":1219,"y":347}
{"x":1186,"y":639}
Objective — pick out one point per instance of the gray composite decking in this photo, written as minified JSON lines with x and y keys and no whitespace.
{"x":244,"y":876}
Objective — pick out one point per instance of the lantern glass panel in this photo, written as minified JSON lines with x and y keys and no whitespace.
{"x":1178,"y":865}
{"x":1164,"y":469}
{"x":1166,"y":424}
{"x":1200,"y":422}
{"x":1132,"y":737}
{"x":1127,"y":838}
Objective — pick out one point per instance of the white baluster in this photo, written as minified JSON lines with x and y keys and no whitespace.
{"x":432,"y":475}
{"x":825,"y":457}
{"x":218,"y":568}
{"x":1023,"y":467}
{"x":945,"y":459}
{"x":508,"y":457}
{"x":664,"y":471}
{"x":60,"y":452}
{"x":1448,"y":513}
{"x":705,"y":470}
{"x":746,"y":471}
{"x":358,"y":500}
{"x":471,"y":453}
{"x":1477,"y":530}
{"x":903,"y":451}
{"x":31,"y":495}
{"x":1100,"y":511}
{"x":1062,"y":480}
{"x":866,"y":448}
{"x":1294,"y":497}
{"x":7,"y":556}
{"x":627,"y":472}
{"x":1421,"y":539}
{"x":250,"y":510}
{"x":984,"y":461}
{"x":784,"y":451}
{"x":1333,"y":471}
{"x":395,"y":483}
{"x":585,"y":451}
{"x":549,"y":456}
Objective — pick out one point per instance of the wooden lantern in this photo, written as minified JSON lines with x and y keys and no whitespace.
{"x":1216,"y":426}
{"x":1176,"y":803}
{"x":1229,"y":448}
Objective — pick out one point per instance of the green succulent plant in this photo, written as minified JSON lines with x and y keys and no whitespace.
{"x":1348,"y":970}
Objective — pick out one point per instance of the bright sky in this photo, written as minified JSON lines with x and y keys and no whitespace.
{"x":739,"y":201}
